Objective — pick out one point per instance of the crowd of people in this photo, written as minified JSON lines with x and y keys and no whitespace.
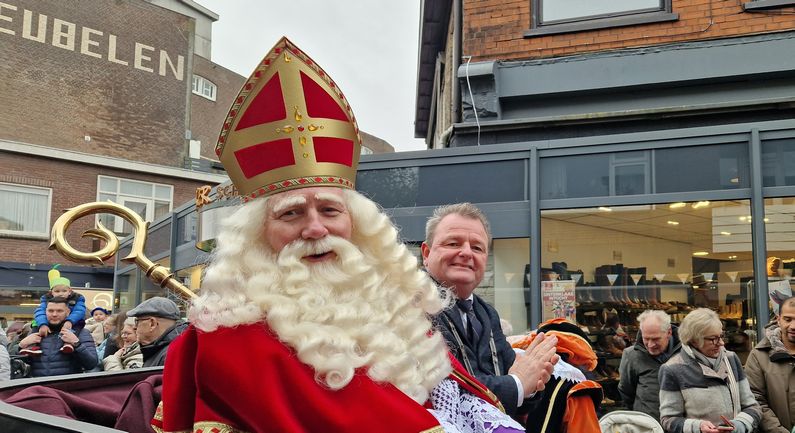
{"x":63,"y":340}
{"x":314,"y":316}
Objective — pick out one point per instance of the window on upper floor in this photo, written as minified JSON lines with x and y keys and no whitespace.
{"x":763,"y":5}
{"x":149,"y":200}
{"x":25,"y":210}
{"x":204,"y":87}
{"x":565,"y":16}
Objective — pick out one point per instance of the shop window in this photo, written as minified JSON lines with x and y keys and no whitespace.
{"x":204,"y":87}
{"x":496,"y":181}
{"x":606,"y":174}
{"x":702,"y":168}
{"x":780,"y":237}
{"x":149,"y":200}
{"x":778,"y":163}
{"x":127,"y":289}
{"x":603,"y":267}
{"x":25,"y":210}
{"x":562,"y":16}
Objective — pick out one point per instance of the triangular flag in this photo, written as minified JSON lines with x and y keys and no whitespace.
{"x":636,"y":278}
{"x":732,"y":275}
{"x":659,"y":277}
{"x":612,"y":278}
{"x":683,"y":277}
{"x":553,"y":276}
{"x":708,"y":275}
{"x":575,"y":277}
{"x":509,"y":276}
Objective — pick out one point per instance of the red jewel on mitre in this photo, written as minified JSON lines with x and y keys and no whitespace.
{"x":289,"y":124}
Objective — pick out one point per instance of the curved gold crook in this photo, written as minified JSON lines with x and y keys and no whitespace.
{"x":156,"y":272}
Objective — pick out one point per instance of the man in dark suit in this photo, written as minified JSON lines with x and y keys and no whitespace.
{"x":456,"y":247}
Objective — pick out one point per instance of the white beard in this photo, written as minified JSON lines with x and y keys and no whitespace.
{"x":340,"y":315}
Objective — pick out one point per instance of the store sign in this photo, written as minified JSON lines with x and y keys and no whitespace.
{"x":212,"y":209}
{"x":222,"y":192}
{"x":37,"y":27}
{"x":558,"y":300}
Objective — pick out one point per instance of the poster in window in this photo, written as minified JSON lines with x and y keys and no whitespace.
{"x":558,"y":300}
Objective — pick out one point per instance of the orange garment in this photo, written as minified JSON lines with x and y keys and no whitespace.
{"x":580,"y":416}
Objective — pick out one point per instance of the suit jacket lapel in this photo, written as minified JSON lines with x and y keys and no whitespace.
{"x":483,"y":316}
{"x":455,"y":317}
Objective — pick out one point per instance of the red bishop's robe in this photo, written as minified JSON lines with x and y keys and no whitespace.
{"x":244,"y":379}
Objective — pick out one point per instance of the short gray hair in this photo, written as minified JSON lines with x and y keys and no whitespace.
{"x":696,"y":324}
{"x":467,"y":210}
{"x":661,"y":316}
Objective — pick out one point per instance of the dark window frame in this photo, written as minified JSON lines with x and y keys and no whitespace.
{"x":755,"y":5}
{"x":663,"y":13}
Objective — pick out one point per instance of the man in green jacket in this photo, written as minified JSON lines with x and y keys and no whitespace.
{"x":771,"y":372}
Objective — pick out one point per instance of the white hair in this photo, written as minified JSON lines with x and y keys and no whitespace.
{"x":367,"y":309}
{"x":661,"y":316}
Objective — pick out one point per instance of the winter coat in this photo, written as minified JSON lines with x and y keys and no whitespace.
{"x":53,"y":362}
{"x":5,"y":364}
{"x":639,"y":385}
{"x":771,"y":374}
{"x":97,"y":330}
{"x":155,"y":353}
{"x":691,"y":392}
{"x":129,"y":358}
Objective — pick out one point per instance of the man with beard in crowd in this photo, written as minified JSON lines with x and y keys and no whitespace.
{"x":771,"y":371}
{"x":312,"y":316}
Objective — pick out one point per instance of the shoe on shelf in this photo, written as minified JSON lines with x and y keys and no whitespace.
{"x":31,"y":351}
{"x":67,"y":348}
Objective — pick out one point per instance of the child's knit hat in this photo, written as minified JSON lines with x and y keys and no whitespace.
{"x":56,"y":279}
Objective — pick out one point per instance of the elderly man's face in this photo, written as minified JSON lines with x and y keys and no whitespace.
{"x":654,"y":338}
{"x":308,"y":214}
{"x":56,"y":313}
{"x":457,"y":255}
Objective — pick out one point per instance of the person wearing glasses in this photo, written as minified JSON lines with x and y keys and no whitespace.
{"x":129,"y":356}
{"x":703,"y":388}
{"x":157,"y":323}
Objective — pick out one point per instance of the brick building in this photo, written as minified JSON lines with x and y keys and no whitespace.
{"x":629,"y":155}
{"x":539,"y":69}
{"x":100,"y":101}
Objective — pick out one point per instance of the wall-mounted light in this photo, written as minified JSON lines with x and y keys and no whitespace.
{"x":700,"y":204}
{"x":605,"y":209}
{"x":701,"y":253}
{"x":673,"y":223}
{"x":726,"y":233}
{"x":677,"y":205}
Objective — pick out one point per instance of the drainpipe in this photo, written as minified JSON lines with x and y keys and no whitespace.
{"x":458,"y":25}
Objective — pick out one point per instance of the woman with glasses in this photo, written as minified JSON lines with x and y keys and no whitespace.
{"x":129,"y":356}
{"x":703,"y":388}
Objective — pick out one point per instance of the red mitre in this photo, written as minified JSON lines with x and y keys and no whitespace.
{"x":289,"y":127}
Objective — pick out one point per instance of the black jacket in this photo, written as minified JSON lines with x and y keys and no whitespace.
{"x":155,"y":352}
{"x":479,"y":354}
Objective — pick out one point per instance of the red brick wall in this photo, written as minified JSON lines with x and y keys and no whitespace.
{"x":493,"y":29}
{"x":56,"y":96}
{"x":208,"y":116}
{"x":72,"y":184}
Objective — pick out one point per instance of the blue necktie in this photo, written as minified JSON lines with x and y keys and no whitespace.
{"x":475,"y":328}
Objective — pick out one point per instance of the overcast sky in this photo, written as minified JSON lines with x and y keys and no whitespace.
{"x":369,"y":48}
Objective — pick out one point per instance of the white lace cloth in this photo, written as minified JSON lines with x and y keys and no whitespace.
{"x":461,"y":412}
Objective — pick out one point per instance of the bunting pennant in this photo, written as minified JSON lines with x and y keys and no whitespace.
{"x":683,"y":277}
{"x":636,"y":278}
{"x":612,"y":278}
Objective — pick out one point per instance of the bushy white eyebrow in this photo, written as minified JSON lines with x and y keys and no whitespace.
{"x":293,"y":200}
{"x":324,"y":196}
